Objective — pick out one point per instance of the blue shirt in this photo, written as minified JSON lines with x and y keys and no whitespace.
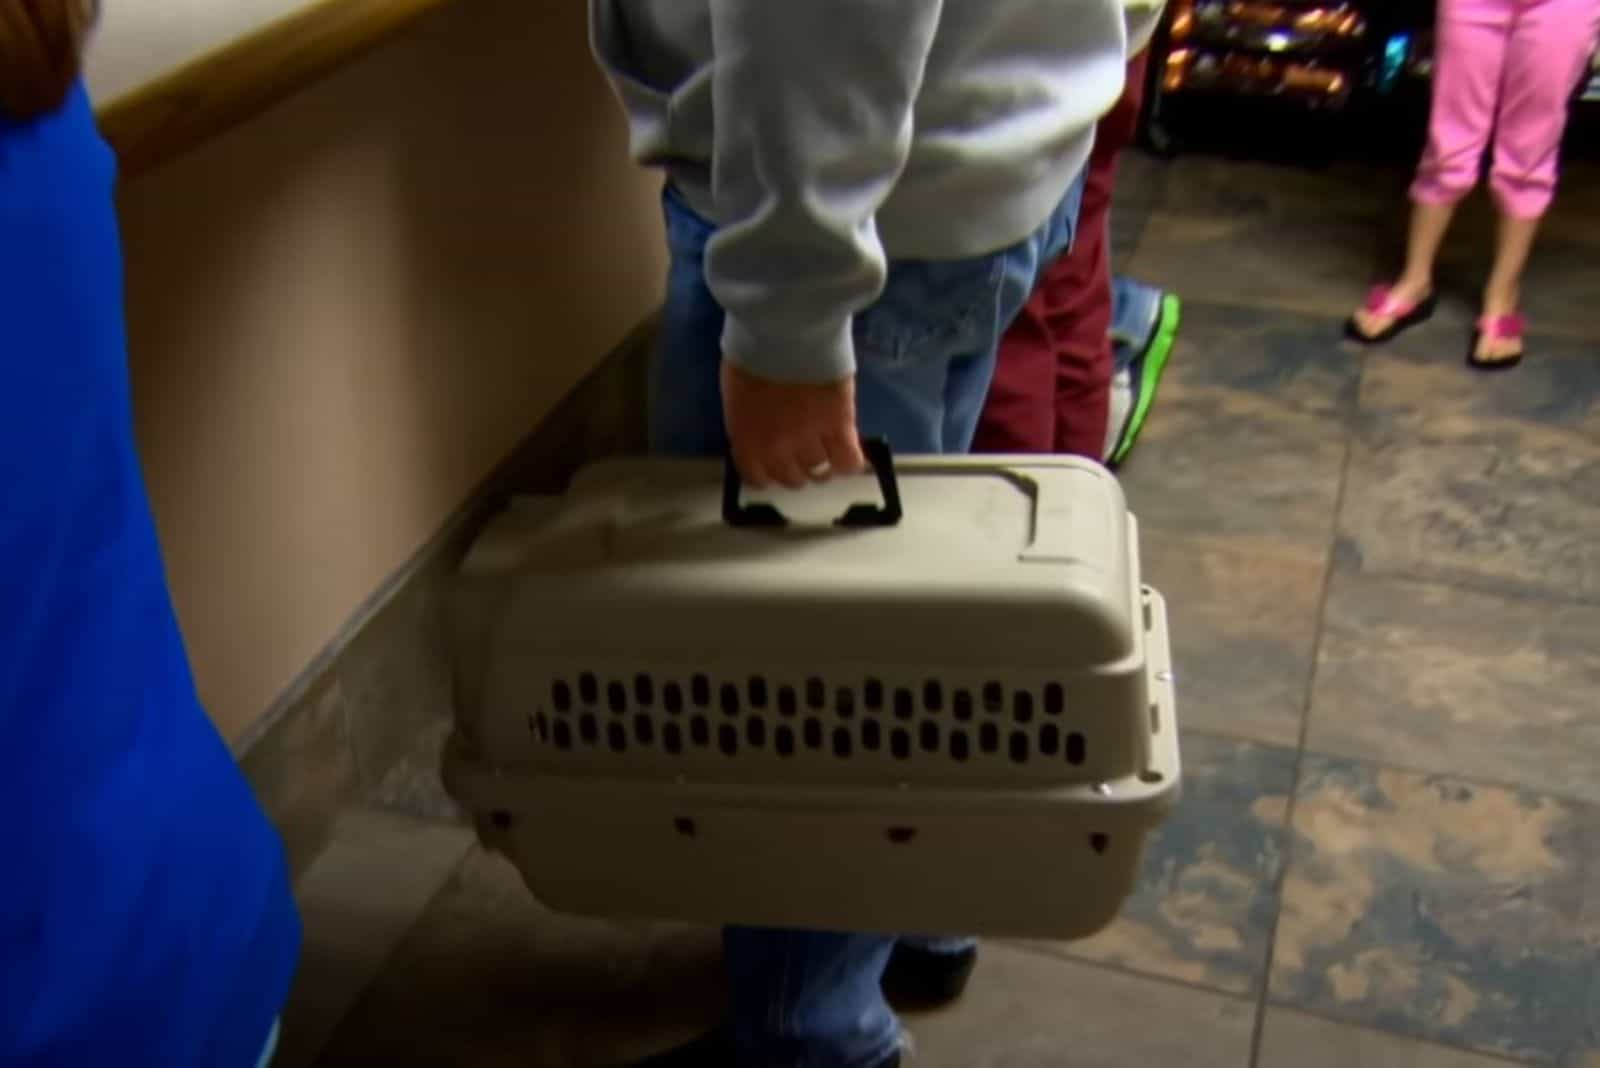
{"x":145,"y":910}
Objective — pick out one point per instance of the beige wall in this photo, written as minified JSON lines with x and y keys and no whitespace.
{"x":344,"y":313}
{"x":139,"y":40}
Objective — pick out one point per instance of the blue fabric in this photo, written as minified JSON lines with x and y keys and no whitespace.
{"x":926,"y":353}
{"x":925,"y":349}
{"x":270,"y":1050}
{"x":1135,"y":311}
{"x":145,"y":912}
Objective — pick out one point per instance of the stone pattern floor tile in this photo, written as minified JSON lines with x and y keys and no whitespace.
{"x":1456,"y":682}
{"x":1205,"y":906}
{"x":1436,"y":908}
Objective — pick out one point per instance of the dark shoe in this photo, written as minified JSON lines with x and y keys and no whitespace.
{"x":712,"y":1050}
{"x":919,"y":978}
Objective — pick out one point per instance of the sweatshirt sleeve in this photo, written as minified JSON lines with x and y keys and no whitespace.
{"x":813,"y":117}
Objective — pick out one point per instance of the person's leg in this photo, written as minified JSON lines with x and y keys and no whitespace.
{"x":1069,"y":316}
{"x":1499,"y":336}
{"x":1469,"y":66}
{"x":927,"y":349}
{"x":685,"y":390}
{"x":1054,"y":361}
{"x":1430,"y":221}
{"x":1547,"y":54}
{"x":1143,"y":332}
{"x":1056,"y":319}
{"x":1015,"y":413}
{"x":925,"y":352}
{"x":1019,"y":414}
{"x":1076,"y":296}
{"x":934,"y":323}
{"x":1135,"y":315}
{"x":1144,"y":319}
{"x":1019,"y":270}
{"x":809,"y":997}
{"x":798,"y":997}
{"x":1084,"y":397}
{"x":928,"y":970}
{"x":1135,"y":307}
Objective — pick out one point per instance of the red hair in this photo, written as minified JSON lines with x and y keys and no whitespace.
{"x":41,"y":48}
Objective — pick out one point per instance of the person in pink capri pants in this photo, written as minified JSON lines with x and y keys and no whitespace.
{"x":1504,"y":70}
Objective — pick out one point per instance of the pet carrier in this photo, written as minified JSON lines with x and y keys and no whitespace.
{"x":949,"y":711}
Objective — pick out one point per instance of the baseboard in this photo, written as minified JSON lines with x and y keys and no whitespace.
{"x":378,"y":696}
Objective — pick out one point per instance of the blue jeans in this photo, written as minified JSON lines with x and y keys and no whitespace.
{"x":925,"y":352}
{"x":1135,"y":307}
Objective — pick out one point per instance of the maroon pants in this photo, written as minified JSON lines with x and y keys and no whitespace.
{"x":1052,"y":383}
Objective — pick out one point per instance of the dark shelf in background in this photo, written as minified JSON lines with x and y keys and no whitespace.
{"x":1380,"y":114}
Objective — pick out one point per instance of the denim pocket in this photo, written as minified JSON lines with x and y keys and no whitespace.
{"x":932,"y":310}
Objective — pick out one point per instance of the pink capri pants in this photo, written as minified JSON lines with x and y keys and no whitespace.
{"x":1505,"y":68}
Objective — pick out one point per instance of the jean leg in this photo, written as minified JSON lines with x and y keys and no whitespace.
{"x":1135,"y":310}
{"x":799,"y":998}
{"x":685,"y":373}
{"x":968,"y":389}
{"x":926,"y":352}
{"x":904,"y":404}
{"x":920,"y":381}
{"x":965,"y":392}
{"x":809,"y":999}
{"x":1019,"y":411}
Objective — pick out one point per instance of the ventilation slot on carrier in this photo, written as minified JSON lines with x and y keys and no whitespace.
{"x":641,"y":712}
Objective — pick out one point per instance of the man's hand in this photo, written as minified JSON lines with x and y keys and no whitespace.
{"x":790,"y":434}
{"x":40,"y":44}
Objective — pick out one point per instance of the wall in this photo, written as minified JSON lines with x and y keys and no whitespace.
{"x":141,"y":39}
{"x":345,"y":312}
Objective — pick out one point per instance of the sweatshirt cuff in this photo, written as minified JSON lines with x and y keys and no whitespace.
{"x":810,"y":357}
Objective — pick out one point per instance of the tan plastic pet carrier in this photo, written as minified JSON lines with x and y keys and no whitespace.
{"x":948,"y":712}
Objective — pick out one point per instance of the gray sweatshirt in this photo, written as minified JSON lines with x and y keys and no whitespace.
{"x":822,"y":136}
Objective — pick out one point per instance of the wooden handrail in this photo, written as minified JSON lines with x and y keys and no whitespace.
{"x":218,"y":90}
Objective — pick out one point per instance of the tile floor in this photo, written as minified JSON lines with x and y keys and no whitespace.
{"x":1384,"y":572}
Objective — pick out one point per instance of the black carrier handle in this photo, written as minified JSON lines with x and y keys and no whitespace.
{"x":736,"y":513}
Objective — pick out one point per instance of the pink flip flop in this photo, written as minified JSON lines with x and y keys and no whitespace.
{"x":1406,"y":314}
{"x":1497,"y":328}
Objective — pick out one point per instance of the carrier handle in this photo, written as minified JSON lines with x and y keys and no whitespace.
{"x":736,"y":513}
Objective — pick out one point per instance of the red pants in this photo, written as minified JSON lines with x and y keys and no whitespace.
{"x":1052,"y":384}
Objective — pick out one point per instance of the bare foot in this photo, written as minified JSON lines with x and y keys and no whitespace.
{"x":1405,"y":293}
{"x":1492,"y":348}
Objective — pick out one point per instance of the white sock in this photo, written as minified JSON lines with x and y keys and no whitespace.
{"x":1120,"y":407}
